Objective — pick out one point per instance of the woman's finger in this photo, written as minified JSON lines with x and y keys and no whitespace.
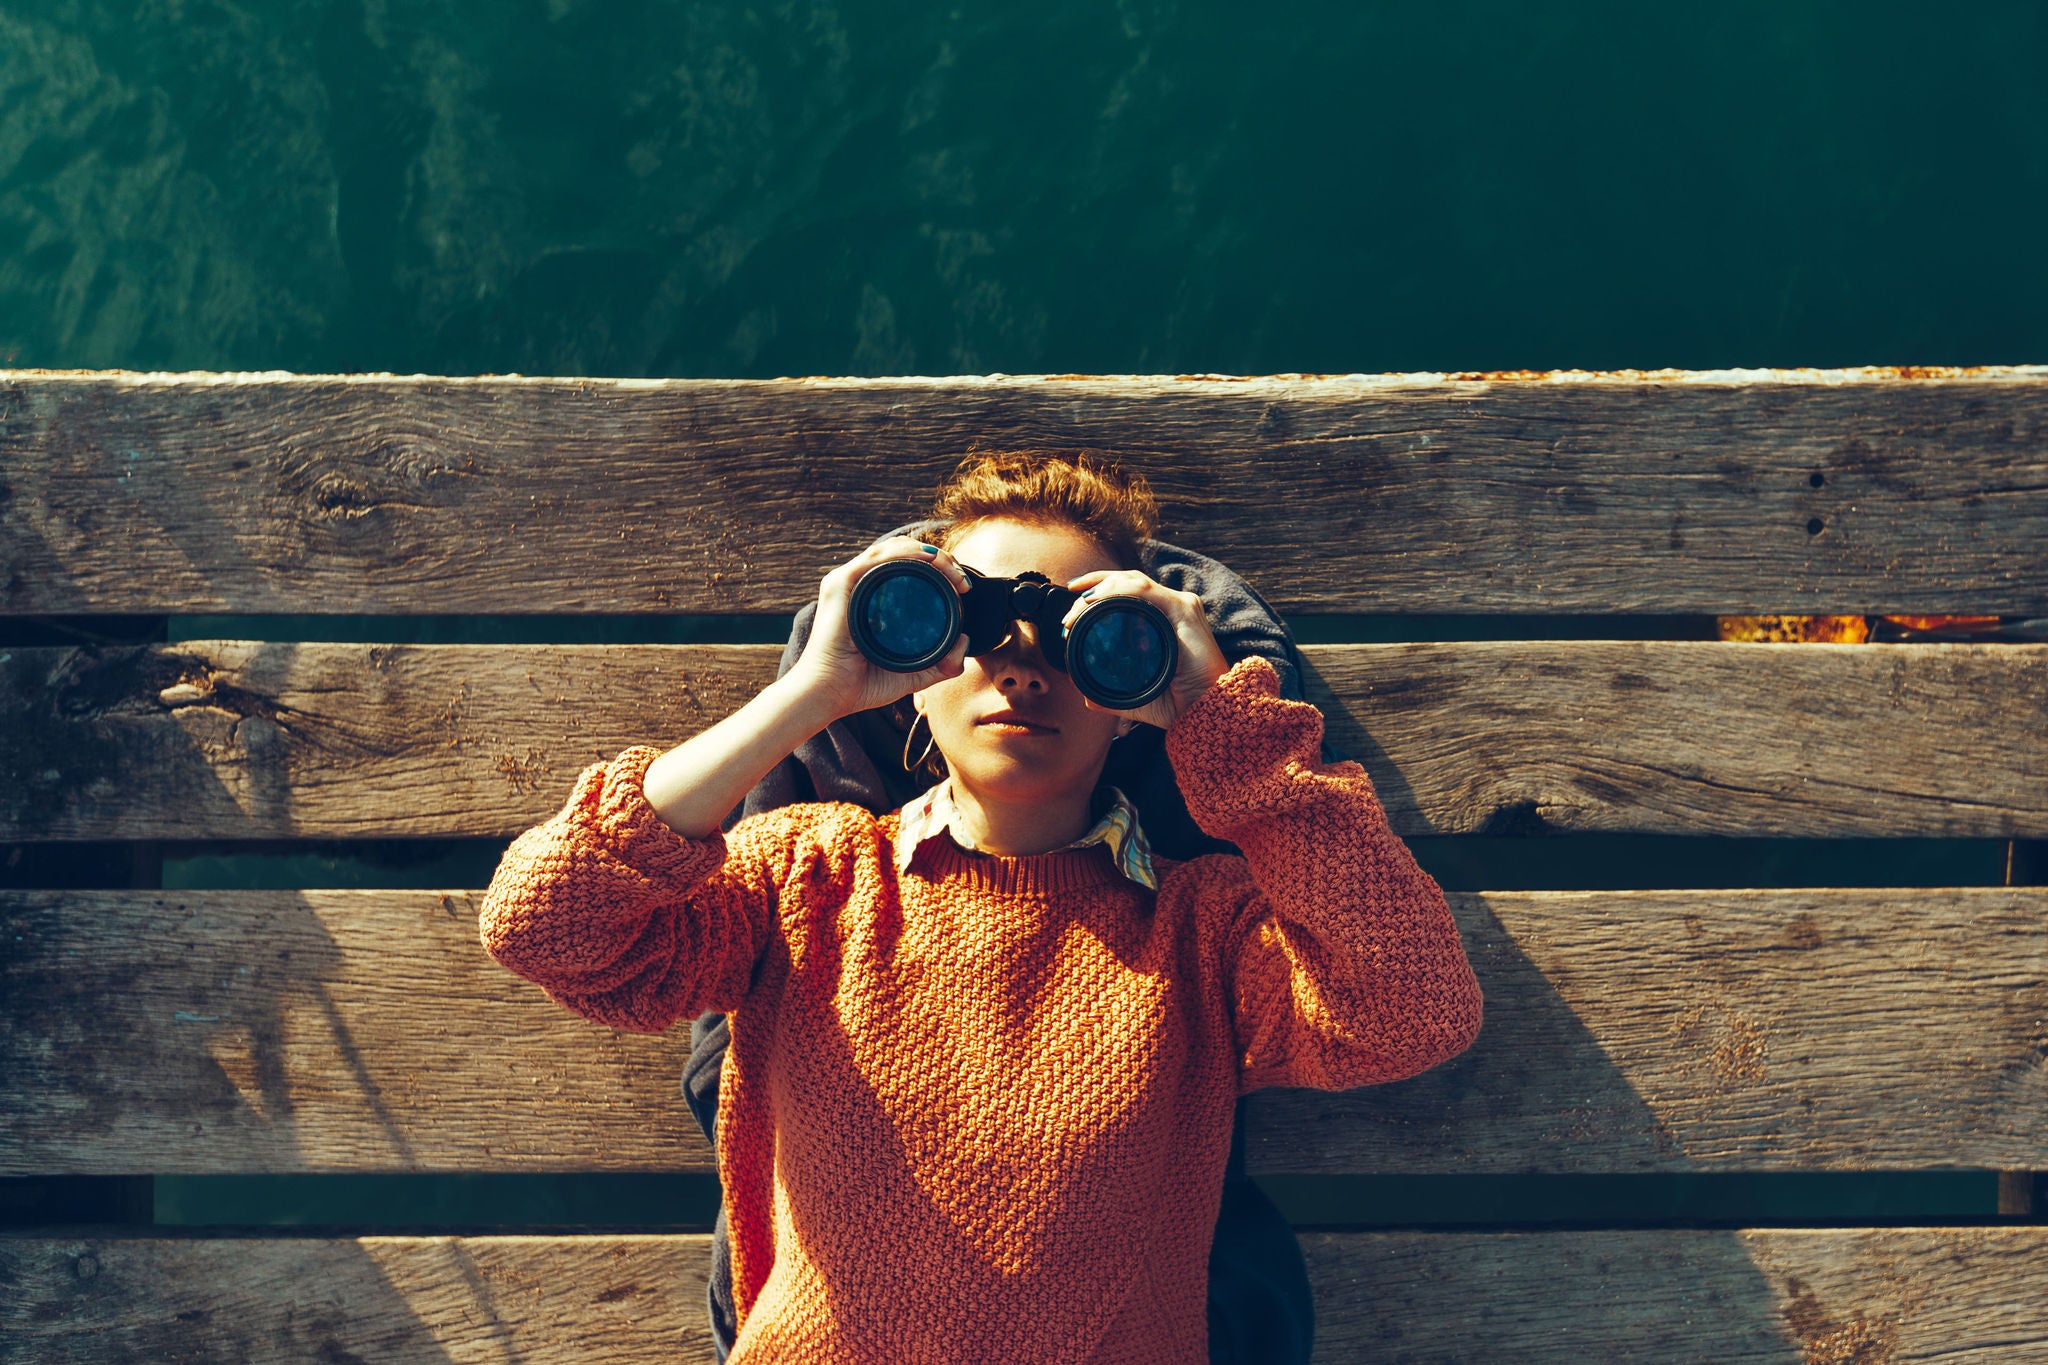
{"x":838,"y":585}
{"x":1121,"y":583}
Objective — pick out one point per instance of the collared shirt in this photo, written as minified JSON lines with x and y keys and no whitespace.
{"x":934,"y":813}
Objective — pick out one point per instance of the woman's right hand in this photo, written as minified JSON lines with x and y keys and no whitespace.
{"x":834,"y":671}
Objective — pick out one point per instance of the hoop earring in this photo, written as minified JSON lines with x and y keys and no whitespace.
{"x":911,"y":765}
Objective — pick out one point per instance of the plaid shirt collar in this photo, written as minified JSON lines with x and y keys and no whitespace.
{"x":934,"y":813}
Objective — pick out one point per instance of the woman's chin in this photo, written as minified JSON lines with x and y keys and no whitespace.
{"x":1013,"y":778}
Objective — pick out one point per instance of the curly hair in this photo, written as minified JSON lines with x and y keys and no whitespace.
{"x":1086,"y":490}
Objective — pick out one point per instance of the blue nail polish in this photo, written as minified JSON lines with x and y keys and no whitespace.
{"x":929,"y":549}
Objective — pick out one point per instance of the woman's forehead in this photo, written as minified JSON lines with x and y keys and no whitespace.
{"x":1005,"y":549}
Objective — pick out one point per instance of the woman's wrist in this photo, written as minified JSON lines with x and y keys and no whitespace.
{"x":806,"y":700}
{"x":1185,"y":702}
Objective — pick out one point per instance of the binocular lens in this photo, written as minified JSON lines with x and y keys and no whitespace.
{"x":905,"y":615}
{"x":1122,"y":653}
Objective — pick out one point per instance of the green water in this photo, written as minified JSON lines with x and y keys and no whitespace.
{"x":790,"y":188}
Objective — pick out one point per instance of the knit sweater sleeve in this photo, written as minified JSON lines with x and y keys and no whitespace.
{"x":1342,"y":962}
{"x":626,"y":922}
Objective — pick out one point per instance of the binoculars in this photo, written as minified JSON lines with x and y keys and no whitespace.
{"x":905,"y":616}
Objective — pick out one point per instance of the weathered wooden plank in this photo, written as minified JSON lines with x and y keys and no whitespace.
{"x":1626,"y":1031}
{"x":1716,"y":492}
{"x":241,"y":740}
{"x":233,"y":739}
{"x":1716,"y":1030}
{"x":1807,"y":1297}
{"x":392,"y":1300}
{"x":224,"y":1031}
{"x":1802,"y":1297}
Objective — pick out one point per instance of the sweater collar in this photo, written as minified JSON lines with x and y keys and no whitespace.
{"x":934,"y":813}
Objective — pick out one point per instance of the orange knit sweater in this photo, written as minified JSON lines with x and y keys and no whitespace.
{"x":980,"y":1110}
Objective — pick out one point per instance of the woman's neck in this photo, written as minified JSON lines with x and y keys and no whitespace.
{"x":1018,"y":828}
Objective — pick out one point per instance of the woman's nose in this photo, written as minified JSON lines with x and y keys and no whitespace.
{"x":1017,"y":663}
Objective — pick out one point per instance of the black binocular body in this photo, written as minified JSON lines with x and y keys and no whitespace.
{"x":905,"y":616}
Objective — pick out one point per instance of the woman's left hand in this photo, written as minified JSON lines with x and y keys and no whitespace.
{"x":1201,"y":659}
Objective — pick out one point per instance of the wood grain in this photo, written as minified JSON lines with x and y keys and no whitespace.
{"x":1626,"y":1031}
{"x":242,"y":740}
{"x":245,"y":1031}
{"x":391,"y":1300}
{"x":1807,"y":1297}
{"x":1716,"y":492}
{"x":1629,"y":1031}
{"x":1851,"y":1296}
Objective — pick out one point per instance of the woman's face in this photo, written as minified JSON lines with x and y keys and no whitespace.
{"x":1011,"y":726}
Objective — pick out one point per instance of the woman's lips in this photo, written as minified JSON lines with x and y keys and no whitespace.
{"x":1010,"y":720}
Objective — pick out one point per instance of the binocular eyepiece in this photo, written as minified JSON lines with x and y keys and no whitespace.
{"x":905,"y":616}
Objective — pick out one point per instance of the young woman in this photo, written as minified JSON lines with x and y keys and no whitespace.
{"x":985,"y":1049}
